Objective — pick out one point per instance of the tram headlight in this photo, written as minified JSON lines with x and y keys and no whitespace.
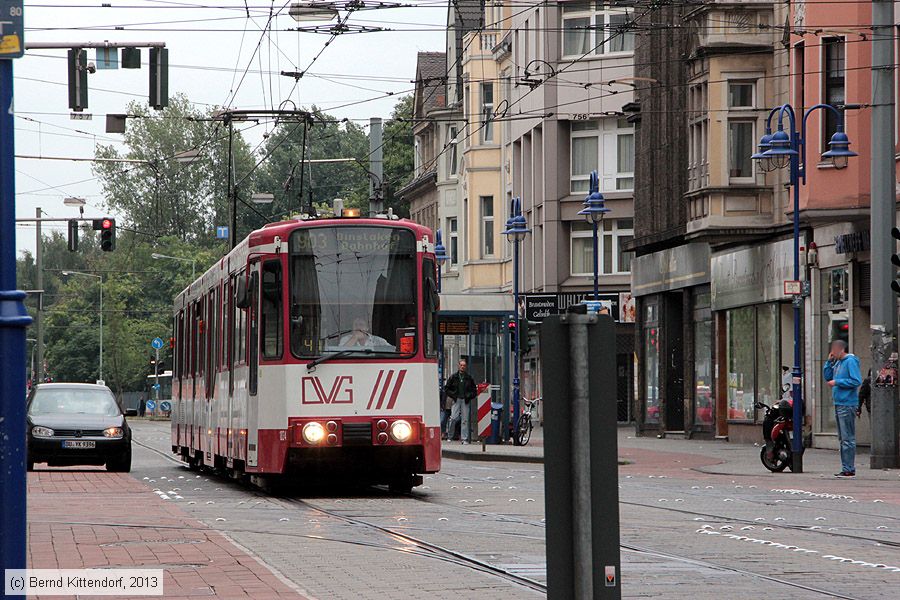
{"x":313,"y":433}
{"x":401,"y":431}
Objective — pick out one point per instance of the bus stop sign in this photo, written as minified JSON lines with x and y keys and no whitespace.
{"x":12,"y":29}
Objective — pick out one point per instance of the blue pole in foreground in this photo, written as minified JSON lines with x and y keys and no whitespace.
{"x":13,"y":321}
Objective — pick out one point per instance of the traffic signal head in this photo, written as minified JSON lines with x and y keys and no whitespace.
{"x":513,"y":335}
{"x":73,"y":235}
{"x":107,"y":228}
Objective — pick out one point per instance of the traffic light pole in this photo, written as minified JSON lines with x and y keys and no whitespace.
{"x":885,"y":453}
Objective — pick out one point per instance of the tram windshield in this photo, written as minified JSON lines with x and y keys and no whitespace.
{"x":353,"y":288}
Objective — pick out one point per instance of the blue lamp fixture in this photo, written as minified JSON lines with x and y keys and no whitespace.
{"x":776,"y":151}
{"x":594,"y":210}
{"x":440,"y":254}
{"x":516,"y":230}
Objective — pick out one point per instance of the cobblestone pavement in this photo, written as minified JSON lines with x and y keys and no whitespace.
{"x":476,"y":529}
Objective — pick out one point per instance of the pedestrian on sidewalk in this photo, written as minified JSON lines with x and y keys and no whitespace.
{"x":446,"y":409}
{"x":461,"y":388}
{"x":841,"y":371}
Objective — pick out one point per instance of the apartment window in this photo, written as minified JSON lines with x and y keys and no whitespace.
{"x":585,"y":153}
{"x":624,"y":160}
{"x":834,"y":84}
{"x":487,"y":112}
{"x":613,"y":235}
{"x":799,"y":76}
{"x":606,"y":146}
{"x":452,"y":158}
{"x":487,"y":226}
{"x":596,"y":27}
{"x":453,"y":242}
{"x":741,"y":128}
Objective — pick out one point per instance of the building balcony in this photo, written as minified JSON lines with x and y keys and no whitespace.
{"x":722,"y":25}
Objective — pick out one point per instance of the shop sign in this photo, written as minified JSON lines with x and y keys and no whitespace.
{"x":752,"y":275}
{"x":540,"y":306}
{"x":671,"y":269}
{"x":858,"y":241}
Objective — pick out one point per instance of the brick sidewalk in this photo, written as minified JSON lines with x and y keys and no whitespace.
{"x":90,"y":519}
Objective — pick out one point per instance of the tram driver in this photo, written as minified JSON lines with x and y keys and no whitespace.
{"x":360,"y":337}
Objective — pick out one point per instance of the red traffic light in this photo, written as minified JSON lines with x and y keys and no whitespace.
{"x":106,"y":224}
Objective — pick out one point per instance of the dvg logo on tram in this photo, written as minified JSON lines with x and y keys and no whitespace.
{"x":383,"y":394}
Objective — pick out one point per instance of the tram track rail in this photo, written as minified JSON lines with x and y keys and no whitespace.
{"x":421,"y":547}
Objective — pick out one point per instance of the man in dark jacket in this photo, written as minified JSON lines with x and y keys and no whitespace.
{"x":461,"y":388}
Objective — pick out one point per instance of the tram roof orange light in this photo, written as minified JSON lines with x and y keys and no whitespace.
{"x":350,"y":213}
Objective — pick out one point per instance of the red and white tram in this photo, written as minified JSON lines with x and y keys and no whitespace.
{"x":310,"y":349}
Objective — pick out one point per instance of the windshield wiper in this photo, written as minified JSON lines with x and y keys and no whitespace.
{"x":339,"y":354}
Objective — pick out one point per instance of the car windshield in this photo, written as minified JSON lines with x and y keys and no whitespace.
{"x":73,"y":401}
{"x":353,"y":287}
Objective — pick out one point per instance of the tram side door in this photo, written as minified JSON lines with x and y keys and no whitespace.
{"x":253,"y":365}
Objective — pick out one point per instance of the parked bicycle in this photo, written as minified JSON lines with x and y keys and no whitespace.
{"x":526,"y":423}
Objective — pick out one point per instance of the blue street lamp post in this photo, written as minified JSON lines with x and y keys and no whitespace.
{"x":516,"y":230}
{"x":788,"y":149}
{"x":440,"y":254}
{"x":13,"y":321}
{"x":594,"y":210}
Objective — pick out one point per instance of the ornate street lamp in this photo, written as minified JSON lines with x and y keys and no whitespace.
{"x":516,"y":230}
{"x":788,"y":149}
{"x":594,"y":210}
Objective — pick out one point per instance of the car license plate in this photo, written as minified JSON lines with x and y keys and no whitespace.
{"x":79,"y":444}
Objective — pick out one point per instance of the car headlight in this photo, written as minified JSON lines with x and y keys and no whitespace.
{"x":113,"y":432}
{"x":401,"y":431}
{"x":41,"y":432}
{"x":313,"y":433}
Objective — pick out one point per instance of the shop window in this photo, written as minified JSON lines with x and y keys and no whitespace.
{"x":651,"y":340}
{"x":753,"y":359}
{"x":704,"y":396}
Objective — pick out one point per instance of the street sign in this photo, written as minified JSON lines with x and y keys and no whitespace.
{"x":151,"y":405}
{"x":222,"y":232}
{"x":12,"y":29}
{"x":156,"y":386}
{"x":792,"y":288}
{"x":157,"y":343}
{"x":165,"y":406}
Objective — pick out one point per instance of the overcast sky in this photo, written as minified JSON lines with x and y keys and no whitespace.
{"x":210,"y":47}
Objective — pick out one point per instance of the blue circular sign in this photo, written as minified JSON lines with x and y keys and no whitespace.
{"x":157,"y":343}
{"x":151,"y":405}
{"x":165,"y":406}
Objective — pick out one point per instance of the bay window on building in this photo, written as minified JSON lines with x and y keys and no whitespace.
{"x":752,"y":362}
{"x":487,"y":226}
{"x":606,"y":146}
{"x":698,"y":130}
{"x":742,"y":138}
{"x":613,"y":235}
{"x":596,"y":28}
{"x":487,"y":112}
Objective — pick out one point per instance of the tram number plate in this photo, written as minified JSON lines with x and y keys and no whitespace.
{"x":79,"y":444}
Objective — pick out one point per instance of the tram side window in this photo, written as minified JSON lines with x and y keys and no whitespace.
{"x":240,"y":329}
{"x":176,"y":351}
{"x":201,"y":339}
{"x":430,"y":306}
{"x":192,"y":311}
{"x":225,"y":327}
{"x":272,"y":310}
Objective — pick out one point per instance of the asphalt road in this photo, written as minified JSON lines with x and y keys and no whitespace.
{"x":476,"y":530}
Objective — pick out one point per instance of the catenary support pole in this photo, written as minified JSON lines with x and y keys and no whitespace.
{"x":884,"y":453}
{"x":39,"y":285}
{"x":13,"y":322}
{"x":232,"y":193}
{"x":581,"y":452}
{"x":376,"y":167}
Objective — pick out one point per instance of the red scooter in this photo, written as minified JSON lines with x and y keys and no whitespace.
{"x":776,"y":455}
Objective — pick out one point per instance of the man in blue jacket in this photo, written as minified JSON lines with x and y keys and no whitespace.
{"x":842,"y":374}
